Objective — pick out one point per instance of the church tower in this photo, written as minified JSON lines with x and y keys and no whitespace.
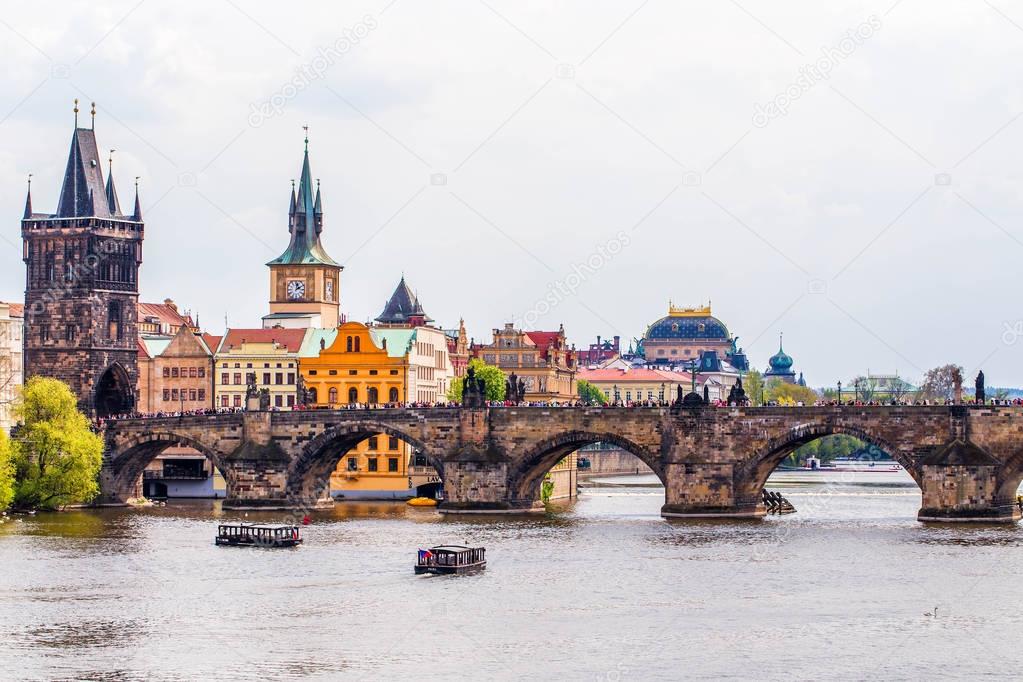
{"x":81,"y":287}
{"x":304,"y":280}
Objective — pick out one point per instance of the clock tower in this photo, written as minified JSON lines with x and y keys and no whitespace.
{"x":304,"y":280}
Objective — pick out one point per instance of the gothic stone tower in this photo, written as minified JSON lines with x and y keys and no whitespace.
{"x":81,"y":293}
{"x":304,"y":280}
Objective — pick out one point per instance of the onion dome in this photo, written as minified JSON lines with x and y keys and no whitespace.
{"x":780,"y":362}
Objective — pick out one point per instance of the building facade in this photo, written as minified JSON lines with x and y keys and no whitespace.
{"x":542,"y":360}
{"x":304,"y":280}
{"x":458,"y":349}
{"x":81,"y":288}
{"x":624,"y":384}
{"x":356,"y":365}
{"x":266,"y":359}
{"x":175,"y":373}
{"x":11,"y":363}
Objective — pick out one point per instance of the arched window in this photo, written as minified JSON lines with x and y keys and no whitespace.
{"x":353,"y":395}
{"x":357,"y":340}
{"x":114,"y":321}
{"x":371,"y":396}
{"x":332,"y":396}
{"x":348,"y":345}
{"x":392,"y":395}
{"x":312,"y":396}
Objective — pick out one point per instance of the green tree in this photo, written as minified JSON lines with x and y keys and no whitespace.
{"x":939,"y":383}
{"x":493,"y":379}
{"x":785,"y":393}
{"x":57,"y":456}
{"x":753,"y":384}
{"x":590,"y":394}
{"x":6,"y":471}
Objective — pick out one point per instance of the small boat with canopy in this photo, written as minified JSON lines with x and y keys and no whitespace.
{"x":258,"y":535}
{"x":451,"y":559}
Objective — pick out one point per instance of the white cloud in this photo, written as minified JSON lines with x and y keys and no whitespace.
{"x":455,"y":88}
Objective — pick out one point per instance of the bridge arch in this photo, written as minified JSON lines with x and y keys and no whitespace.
{"x":751,"y":475}
{"x":527,"y":473}
{"x":131,"y":457}
{"x":309,"y":473}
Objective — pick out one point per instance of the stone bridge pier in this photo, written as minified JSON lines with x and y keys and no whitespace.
{"x":713,"y":462}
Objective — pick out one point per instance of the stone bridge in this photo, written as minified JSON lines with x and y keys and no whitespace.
{"x":714,"y":462}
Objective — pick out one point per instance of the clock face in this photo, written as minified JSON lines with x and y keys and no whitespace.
{"x":330,"y":290}
{"x":296,"y":289}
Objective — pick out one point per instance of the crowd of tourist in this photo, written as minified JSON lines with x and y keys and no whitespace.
{"x":543,"y":403}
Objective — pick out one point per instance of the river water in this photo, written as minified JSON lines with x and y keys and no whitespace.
{"x":602,"y":590}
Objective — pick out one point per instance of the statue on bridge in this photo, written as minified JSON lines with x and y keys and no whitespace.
{"x":474,"y":390}
{"x":514,"y":389}
{"x":302,"y":396}
{"x":979,"y":390}
{"x":737,"y":395}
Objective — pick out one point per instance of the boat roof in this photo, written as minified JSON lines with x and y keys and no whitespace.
{"x":264,"y":526}
{"x":452,"y":548}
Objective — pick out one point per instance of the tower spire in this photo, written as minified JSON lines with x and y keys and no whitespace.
{"x":112,"y":203}
{"x":291,"y":207}
{"x":28,"y":199}
{"x":137,"y":216}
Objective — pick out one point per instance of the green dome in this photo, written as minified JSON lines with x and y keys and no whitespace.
{"x":780,"y":362}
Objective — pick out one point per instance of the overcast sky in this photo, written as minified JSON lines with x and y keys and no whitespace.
{"x":569,"y":162}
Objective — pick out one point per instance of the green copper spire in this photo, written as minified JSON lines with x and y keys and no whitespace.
{"x":305,"y":222}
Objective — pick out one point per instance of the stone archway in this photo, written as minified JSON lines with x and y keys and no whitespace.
{"x":114,"y":392}
{"x":751,"y":474}
{"x":308,"y":476}
{"x":123,"y":468}
{"x":526,"y":475}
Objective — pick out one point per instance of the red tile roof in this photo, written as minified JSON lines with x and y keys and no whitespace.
{"x":543,"y":340}
{"x":17,"y":309}
{"x":291,"y":338}
{"x":211,"y":341}
{"x":165,"y":313}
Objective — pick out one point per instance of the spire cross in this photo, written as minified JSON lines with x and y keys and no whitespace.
{"x":93,"y":115}
{"x":306,"y":129}
{"x":76,"y":113}
{"x":110,"y":161}
{"x":29,"y":182}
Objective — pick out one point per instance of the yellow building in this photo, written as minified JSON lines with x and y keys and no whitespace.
{"x":358,"y":366}
{"x":267,"y":358}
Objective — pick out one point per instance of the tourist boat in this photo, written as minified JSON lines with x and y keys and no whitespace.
{"x":422,"y":502}
{"x":257,"y":535}
{"x":451,"y":559}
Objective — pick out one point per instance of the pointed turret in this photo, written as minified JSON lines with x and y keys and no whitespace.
{"x":83,"y":177}
{"x":291,"y":207}
{"x":28,"y":199}
{"x":137,"y":215}
{"x":318,"y":206}
{"x":112,"y":203}
{"x":305,"y":223}
{"x":403,"y":308}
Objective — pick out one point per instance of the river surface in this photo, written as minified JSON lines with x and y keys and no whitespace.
{"x":603,"y":590}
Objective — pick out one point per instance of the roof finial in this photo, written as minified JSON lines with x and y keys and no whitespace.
{"x":110,"y":163}
{"x":93,"y":115}
{"x":76,"y":112}
{"x":306,"y":129}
